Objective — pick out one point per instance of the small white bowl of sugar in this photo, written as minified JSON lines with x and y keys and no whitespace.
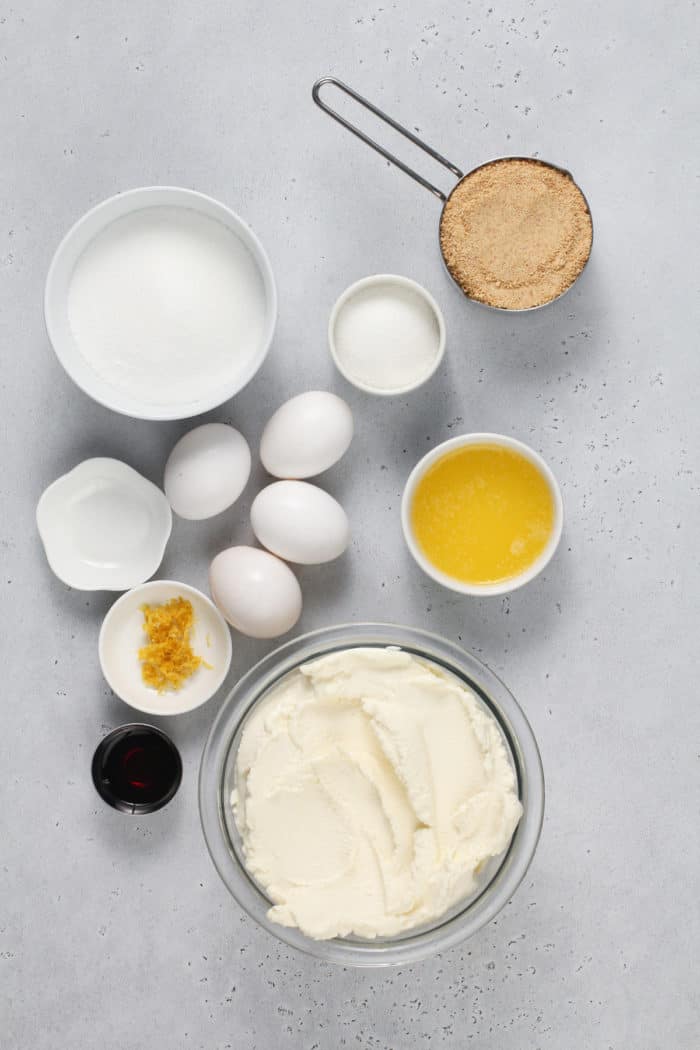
{"x":160,"y":303}
{"x":386,"y":334}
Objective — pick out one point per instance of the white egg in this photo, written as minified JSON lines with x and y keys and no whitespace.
{"x":306,"y":435}
{"x":300,"y":522}
{"x":255,"y":592}
{"x":206,"y":471}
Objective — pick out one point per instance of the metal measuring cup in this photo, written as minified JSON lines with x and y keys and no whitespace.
{"x":460,"y":175}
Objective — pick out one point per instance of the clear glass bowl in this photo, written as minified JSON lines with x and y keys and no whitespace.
{"x":499,"y":879}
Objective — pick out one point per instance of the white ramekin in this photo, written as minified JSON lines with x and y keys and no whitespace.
{"x":503,"y":586}
{"x":122,"y":635}
{"x":386,"y":280}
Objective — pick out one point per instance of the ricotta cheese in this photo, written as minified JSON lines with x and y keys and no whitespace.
{"x":371,"y":789}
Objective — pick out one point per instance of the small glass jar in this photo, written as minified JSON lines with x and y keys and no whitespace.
{"x":137,"y":768}
{"x":499,"y":879}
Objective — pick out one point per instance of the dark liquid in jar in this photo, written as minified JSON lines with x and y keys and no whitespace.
{"x":137,"y":769}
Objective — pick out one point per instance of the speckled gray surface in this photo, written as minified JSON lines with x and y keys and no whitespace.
{"x":116,"y":932}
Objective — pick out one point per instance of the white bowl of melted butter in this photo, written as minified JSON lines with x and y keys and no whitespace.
{"x":371,"y":794}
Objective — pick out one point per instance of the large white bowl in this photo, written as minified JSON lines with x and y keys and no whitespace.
{"x":58,"y":283}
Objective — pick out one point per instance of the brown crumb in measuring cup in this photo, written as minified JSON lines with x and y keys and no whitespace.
{"x":516,"y":233}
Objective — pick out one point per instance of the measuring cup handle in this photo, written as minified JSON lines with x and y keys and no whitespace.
{"x":316,"y":95}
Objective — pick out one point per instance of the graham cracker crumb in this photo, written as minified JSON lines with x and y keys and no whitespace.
{"x":516,"y":233}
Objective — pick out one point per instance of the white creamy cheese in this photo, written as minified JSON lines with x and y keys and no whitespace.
{"x":371,"y":789}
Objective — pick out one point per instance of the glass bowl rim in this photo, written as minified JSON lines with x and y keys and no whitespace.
{"x":443,"y":934}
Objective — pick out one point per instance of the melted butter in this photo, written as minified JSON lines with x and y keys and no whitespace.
{"x":482,"y":514}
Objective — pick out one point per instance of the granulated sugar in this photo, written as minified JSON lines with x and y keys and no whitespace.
{"x":165,"y":304}
{"x":387,"y":337}
{"x":516,"y":233}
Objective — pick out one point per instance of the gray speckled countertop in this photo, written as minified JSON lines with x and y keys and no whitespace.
{"x":116,"y":932}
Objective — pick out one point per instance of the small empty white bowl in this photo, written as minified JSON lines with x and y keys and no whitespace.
{"x":386,"y":335}
{"x":104,"y":526}
{"x":87,"y":232}
{"x":502,"y":586}
{"x":122,"y":635}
